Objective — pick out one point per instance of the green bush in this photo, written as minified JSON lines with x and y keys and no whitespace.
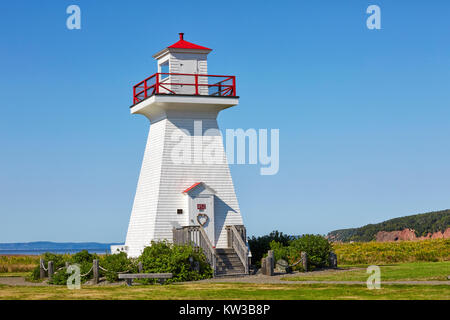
{"x":83,"y":257}
{"x":316,"y":247}
{"x":260,"y":245}
{"x":58,"y":262}
{"x":163,"y":257}
{"x":115,"y":263}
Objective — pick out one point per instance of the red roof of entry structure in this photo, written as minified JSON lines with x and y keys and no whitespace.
{"x":183,"y":44}
{"x":191,"y":187}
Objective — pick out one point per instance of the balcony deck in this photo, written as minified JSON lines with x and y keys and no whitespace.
{"x":183,"y":84}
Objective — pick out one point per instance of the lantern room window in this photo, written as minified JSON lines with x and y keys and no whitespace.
{"x":164,"y":68}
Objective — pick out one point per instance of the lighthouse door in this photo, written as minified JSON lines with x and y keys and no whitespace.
{"x":188,"y":82}
{"x":203,"y":209}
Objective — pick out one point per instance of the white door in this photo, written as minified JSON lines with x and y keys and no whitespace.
{"x":187,"y":67}
{"x":203,"y":208}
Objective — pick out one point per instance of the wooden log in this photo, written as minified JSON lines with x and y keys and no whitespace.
{"x":95,"y":271}
{"x":51,"y":270}
{"x":304,"y":261}
{"x":41,"y":269}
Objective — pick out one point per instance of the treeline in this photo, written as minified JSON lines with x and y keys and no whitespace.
{"x":422,"y":224}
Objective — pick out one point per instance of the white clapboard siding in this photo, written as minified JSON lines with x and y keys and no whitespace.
{"x":155,"y":217}
{"x":142,"y":221}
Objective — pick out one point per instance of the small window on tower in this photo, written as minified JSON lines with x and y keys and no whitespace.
{"x":179,"y":211}
{"x":164,"y":69}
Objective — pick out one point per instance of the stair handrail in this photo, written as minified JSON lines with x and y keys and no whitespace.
{"x":240,"y":247}
{"x":208,"y":249}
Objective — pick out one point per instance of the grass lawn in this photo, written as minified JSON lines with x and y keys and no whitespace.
{"x":240,"y":291}
{"x":14,"y":274}
{"x":405,"y":271}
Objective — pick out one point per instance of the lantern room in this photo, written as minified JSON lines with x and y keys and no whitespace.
{"x":183,"y":70}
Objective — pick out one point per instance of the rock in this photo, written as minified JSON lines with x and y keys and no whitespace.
{"x":282,"y":266}
{"x":409,"y":234}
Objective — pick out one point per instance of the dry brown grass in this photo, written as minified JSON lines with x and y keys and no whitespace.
{"x":18,"y":263}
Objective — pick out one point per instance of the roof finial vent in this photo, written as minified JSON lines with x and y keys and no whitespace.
{"x":181,"y":35}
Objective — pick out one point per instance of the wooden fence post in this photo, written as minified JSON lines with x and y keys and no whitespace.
{"x":140,"y":267}
{"x":270,"y":262}
{"x":304,"y":261}
{"x":333,"y":260}
{"x":41,"y":269}
{"x":95,"y":270}
{"x":264,"y":266}
{"x":51,"y":270}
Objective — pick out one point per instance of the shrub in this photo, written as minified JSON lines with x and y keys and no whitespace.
{"x":260,"y":245}
{"x":58,"y":262}
{"x":317,"y":248}
{"x":163,"y":257}
{"x":83,"y":257}
{"x":115,"y":263}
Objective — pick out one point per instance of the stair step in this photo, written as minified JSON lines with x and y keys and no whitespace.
{"x":237,"y":274}
{"x":228,"y":263}
{"x":229,"y":260}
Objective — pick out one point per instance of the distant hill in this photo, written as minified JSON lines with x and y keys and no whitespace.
{"x":422,"y":224}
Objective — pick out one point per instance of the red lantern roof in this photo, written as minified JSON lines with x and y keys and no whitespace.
{"x":183,"y":44}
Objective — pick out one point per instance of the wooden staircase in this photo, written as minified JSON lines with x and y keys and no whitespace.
{"x":228,"y":263}
{"x":231,"y":261}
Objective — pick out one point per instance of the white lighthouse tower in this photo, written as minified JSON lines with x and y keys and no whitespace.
{"x":185,"y":193}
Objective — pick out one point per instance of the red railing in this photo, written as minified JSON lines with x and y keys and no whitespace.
{"x":185,"y":84}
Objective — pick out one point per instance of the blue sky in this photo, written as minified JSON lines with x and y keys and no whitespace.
{"x":363,"y":114}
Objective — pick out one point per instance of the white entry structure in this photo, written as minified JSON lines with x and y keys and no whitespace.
{"x":185,"y":192}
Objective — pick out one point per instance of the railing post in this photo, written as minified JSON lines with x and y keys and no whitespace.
{"x":145,"y":88}
{"x":229,"y":237}
{"x":157,"y":84}
{"x":140,"y":267}
{"x":196,"y":84}
{"x":234,"y":86}
{"x":41,"y":269}
{"x":134,"y":95}
{"x":95,"y":270}
{"x":220,"y":89}
{"x":51,"y":270}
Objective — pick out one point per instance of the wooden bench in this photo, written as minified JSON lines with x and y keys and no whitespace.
{"x":130,"y":276}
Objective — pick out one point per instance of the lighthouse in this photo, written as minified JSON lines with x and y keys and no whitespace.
{"x":185,"y":193}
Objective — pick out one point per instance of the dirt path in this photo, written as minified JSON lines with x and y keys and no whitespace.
{"x":20,"y":281}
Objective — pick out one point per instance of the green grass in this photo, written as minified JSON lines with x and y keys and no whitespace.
{"x":240,"y":291}
{"x":405,"y":271}
{"x":15,"y":274}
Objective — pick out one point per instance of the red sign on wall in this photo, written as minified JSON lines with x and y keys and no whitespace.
{"x":201,"y":206}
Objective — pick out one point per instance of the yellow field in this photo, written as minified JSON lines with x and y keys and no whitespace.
{"x":392,"y":252}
